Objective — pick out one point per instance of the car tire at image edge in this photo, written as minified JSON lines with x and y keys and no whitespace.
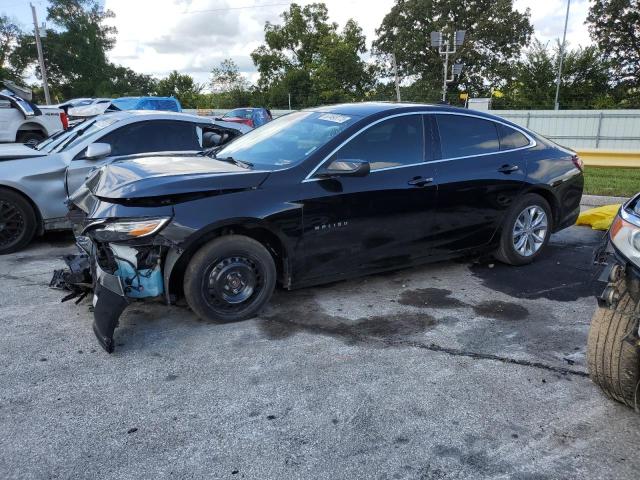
{"x":614,"y":363}
{"x":18,"y":222}
{"x":30,"y":137}
{"x":229,"y":279}
{"x":514,"y":230}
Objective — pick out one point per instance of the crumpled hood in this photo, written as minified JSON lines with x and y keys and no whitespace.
{"x":16,"y":151}
{"x":166,"y":176}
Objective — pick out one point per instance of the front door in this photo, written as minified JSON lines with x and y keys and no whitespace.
{"x":375,"y":222}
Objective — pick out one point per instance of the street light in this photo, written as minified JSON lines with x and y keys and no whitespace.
{"x":448,"y":46}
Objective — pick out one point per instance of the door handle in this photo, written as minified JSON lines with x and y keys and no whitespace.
{"x":508,"y":168}
{"x":420,"y":181}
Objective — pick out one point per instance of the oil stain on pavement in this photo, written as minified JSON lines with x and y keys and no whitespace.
{"x":374,"y":330}
{"x":562,"y":273}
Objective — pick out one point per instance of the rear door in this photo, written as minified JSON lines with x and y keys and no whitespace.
{"x":379,"y":221}
{"x":481,"y":171}
{"x":133,"y":139}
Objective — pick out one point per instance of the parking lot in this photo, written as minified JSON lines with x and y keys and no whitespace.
{"x":464,"y":369}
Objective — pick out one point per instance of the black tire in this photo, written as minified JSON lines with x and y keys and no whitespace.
{"x":614,"y":363}
{"x":507,"y":252}
{"x":223,"y":266}
{"x":30,"y":137}
{"x":18,"y":222}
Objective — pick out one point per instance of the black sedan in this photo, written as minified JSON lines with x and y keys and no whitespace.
{"x":317,"y":196}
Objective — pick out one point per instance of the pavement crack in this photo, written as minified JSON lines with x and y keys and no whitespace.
{"x":487,"y":356}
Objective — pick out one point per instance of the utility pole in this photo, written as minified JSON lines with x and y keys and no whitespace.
{"x":445,"y":48}
{"x":43,"y":69}
{"x":564,"y":38}
{"x":289,"y":101}
{"x":395,"y":73}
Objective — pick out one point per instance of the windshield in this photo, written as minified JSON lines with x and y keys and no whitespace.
{"x":287,"y":140}
{"x":49,"y":143}
{"x":85,"y":130}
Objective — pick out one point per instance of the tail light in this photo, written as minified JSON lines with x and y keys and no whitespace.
{"x":577,"y":161}
{"x":65,"y":120}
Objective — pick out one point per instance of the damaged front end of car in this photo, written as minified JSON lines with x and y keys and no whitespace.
{"x":119,"y":260}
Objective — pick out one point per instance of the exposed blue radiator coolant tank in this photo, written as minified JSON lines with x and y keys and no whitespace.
{"x":137,"y":283}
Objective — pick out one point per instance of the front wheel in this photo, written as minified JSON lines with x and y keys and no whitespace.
{"x":525,"y":231}
{"x":229,"y":279}
{"x":18,"y":222}
{"x":613,"y":359}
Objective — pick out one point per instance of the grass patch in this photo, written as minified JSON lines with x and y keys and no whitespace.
{"x":618,"y":182}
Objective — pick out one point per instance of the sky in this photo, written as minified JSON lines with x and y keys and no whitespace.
{"x":192,"y":36}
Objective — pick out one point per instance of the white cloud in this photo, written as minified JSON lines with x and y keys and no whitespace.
{"x":157,"y":36}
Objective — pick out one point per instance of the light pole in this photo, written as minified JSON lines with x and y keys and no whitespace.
{"x":448,"y":46}
{"x":43,"y":69}
{"x":564,"y":38}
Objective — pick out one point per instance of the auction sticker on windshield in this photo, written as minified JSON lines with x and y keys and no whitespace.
{"x":334,"y":117}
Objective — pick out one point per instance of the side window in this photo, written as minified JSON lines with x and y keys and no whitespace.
{"x":152,"y":136}
{"x":391,"y":143}
{"x":462,"y":136}
{"x":510,"y":138}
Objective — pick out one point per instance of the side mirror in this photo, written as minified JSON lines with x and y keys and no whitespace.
{"x":96,"y":151}
{"x":345,"y":168}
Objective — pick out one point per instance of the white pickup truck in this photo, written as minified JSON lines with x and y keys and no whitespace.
{"x":22,"y":121}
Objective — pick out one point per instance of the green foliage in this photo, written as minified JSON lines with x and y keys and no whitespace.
{"x":10,"y":33}
{"x":308,"y":57}
{"x":585,"y":80}
{"x":230,"y":88}
{"x":614,"y":25}
{"x":496,"y":34}
{"x":182,"y":87}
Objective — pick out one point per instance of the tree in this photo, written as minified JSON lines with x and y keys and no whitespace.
{"x":122,"y":81}
{"x":615,"y":26}
{"x":496,"y":34}
{"x":584,"y":84}
{"x":10,"y":33}
{"x":231,"y":87}
{"x":181,"y":86}
{"x":76,"y":50}
{"x":227,"y":77}
{"x":308,"y":57}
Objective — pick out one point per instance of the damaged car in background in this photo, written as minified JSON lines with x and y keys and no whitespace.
{"x":313,"y":197}
{"x":35,"y":182}
{"x":613,"y":350}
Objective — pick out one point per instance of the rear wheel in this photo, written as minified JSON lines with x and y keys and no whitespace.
{"x":614,"y":362}
{"x":526,"y":231}
{"x":30,"y":137}
{"x":229,"y":279}
{"x":18,"y":222}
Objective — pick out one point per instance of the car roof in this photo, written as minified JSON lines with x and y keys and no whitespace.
{"x":365,"y":109}
{"x":158,"y":115}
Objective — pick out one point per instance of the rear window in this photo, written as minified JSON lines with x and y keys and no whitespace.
{"x":511,"y":138}
{"x":462,"y":136}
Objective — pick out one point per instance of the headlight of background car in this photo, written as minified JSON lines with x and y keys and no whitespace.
{"x":123,"y":230}
{"x":625,"y":235}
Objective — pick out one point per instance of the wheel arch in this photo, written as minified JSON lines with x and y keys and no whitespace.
{"x":548,"y":195}
{"x":27,"y":197}
{"x":261,"y":231}
{"x":32,"y":127}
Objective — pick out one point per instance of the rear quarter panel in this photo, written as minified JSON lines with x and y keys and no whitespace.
{"x":551,"y":168}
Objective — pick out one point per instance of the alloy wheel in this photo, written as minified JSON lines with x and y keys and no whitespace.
{"x":530,"y":231}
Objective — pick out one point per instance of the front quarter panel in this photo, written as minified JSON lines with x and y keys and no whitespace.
{"x":41,"y":179}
